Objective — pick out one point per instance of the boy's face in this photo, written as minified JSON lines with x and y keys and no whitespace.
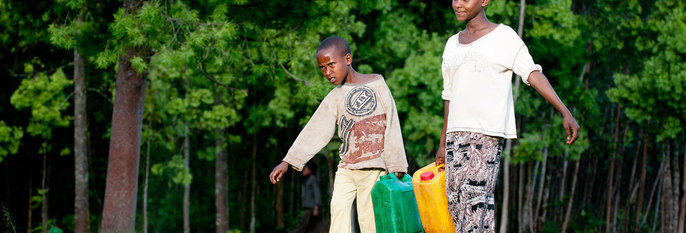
{"x":468,"y":9}
{"x":334,"y":64}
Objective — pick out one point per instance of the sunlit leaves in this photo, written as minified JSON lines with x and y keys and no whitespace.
{"x":10,"y":138}
{"x":175,"y":168}
{"x":45,"y":96}
{"x":416,"y":89}
{"x":654,"y":95}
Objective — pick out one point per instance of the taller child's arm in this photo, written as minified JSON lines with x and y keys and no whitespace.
{"x":524,"y":66}
{"x":445,"y":95}
{"x":316,"y":134}
{"x":539,"y":82}
{"x":440,"y":154}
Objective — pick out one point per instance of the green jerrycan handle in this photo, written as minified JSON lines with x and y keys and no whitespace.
{"x":406,"y":178}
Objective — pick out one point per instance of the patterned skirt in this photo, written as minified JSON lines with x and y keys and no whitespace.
{"x":472,"y":162}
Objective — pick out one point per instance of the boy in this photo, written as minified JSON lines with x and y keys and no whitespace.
{"x":311,"y":201}
{"x":362,"y":107}
{"x":479,"y":111}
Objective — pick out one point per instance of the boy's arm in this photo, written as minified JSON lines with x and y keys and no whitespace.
{"x":540,"y":83}
{"x":440,"y":154}
{"x":316,"y":134}
{"x":394,"y":149}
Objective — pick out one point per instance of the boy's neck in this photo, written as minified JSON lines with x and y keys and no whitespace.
{"x":355,"y":77}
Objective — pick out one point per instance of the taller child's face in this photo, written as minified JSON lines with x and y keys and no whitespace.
{"x":468,"y":9}
{"x":333,"y":64}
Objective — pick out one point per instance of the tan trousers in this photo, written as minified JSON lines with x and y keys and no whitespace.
{"x":348,"y":185}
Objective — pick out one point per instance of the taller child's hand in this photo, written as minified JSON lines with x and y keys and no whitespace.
{"x":571,"y":128}
{"x":278,"y":172}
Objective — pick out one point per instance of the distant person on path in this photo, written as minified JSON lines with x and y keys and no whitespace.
{"x":311,"y":201}
{"x":479,"y":111}
{"x":362,"y":107}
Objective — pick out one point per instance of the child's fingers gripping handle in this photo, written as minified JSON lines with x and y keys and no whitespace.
{"x":439,"y":168}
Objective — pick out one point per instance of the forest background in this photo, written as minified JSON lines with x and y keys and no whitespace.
{"x":209,"y":96}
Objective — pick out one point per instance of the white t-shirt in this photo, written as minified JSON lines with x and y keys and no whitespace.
{"x":477,"y":80}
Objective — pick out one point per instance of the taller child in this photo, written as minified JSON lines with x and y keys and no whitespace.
{"x":362,"y":107}
{"x":479,"y":111}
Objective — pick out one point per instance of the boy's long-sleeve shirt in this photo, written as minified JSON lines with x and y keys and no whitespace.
{"x":368,"y":126}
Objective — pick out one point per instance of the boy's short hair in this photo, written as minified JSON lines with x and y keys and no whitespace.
{"x":312,"y":166}
{"x":335,"y":41}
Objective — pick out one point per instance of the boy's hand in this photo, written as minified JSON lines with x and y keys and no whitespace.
{"x":571,"y":128}
{"x":278,"y":172}
{"x":400,"y":175}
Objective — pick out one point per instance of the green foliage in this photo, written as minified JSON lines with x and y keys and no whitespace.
{"x":179,"y":173}
{"x":420,"y":111}
{"x":44,"y":96}
{"x":654,"y":96}
{"x":10,"y":138}
{"x":247,"y":69}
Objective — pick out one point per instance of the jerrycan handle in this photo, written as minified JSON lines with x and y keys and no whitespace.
{"x":438,"y":167}
{"x":392,"y":175}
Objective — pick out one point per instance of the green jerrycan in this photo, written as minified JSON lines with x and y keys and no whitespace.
{"x":395,"y":207}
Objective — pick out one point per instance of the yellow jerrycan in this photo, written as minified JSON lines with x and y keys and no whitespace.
{"x":429,"y":190}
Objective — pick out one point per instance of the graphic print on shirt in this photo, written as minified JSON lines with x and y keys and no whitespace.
{"x":367,"y":141}
{"x":344,"y":127}
{"x":471,"y":62}
{"x":360,"y":101}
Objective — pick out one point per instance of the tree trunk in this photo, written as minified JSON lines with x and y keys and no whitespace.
{"x":658,"y":181}
{"x":528,"y":202}
{"x":508,"y":145}
{"x":531,"y":189}
{"x":506,"y":187}
{"x":30,"y":209}
{"x":520,"y":197}
{"x":186,"y":187}
{"x":81,"y":214}
{"x":245,"y":198}
{"x":657,"y":203}
{"x":633,"y":189}
{"x":617,"y":188}
{"x":280,"y":222}
{"x":145,"y":187}
{"x":676,"y":186}
{"x":641,"y":182}
{"x":682,"y":200}
{"x":544,"y":208}
{"x":253,"y":181}
{"x":119,"y":211}
{"x":541,"y":181}
{"x":221,"y":183}
{"x":44,"y":195}
{"x":520,"y":33}
{"x":608,"y":204}
{"x":674,"y":195}
{"x":568,"y":211}
{"x":565,"y":165}
{"x":667,"y":222}
{"x":589,"y":183}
